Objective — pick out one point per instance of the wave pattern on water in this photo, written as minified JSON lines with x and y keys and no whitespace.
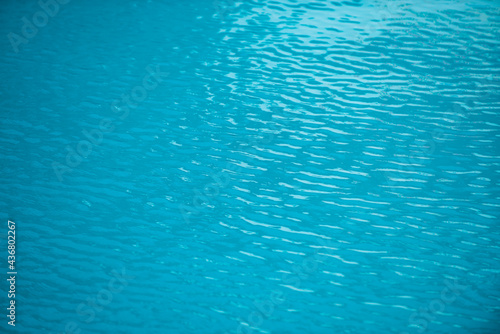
{"x":306,"y":167}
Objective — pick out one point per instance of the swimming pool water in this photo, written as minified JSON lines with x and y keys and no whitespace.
{"x":270,"y":167}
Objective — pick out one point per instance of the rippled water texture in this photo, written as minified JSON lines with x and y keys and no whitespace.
{"x":279,"y":167}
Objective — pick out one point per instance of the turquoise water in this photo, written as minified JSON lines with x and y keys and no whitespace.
{"x":269,"y":167}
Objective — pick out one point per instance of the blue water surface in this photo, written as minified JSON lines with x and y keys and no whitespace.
{"x":274,"y":167}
